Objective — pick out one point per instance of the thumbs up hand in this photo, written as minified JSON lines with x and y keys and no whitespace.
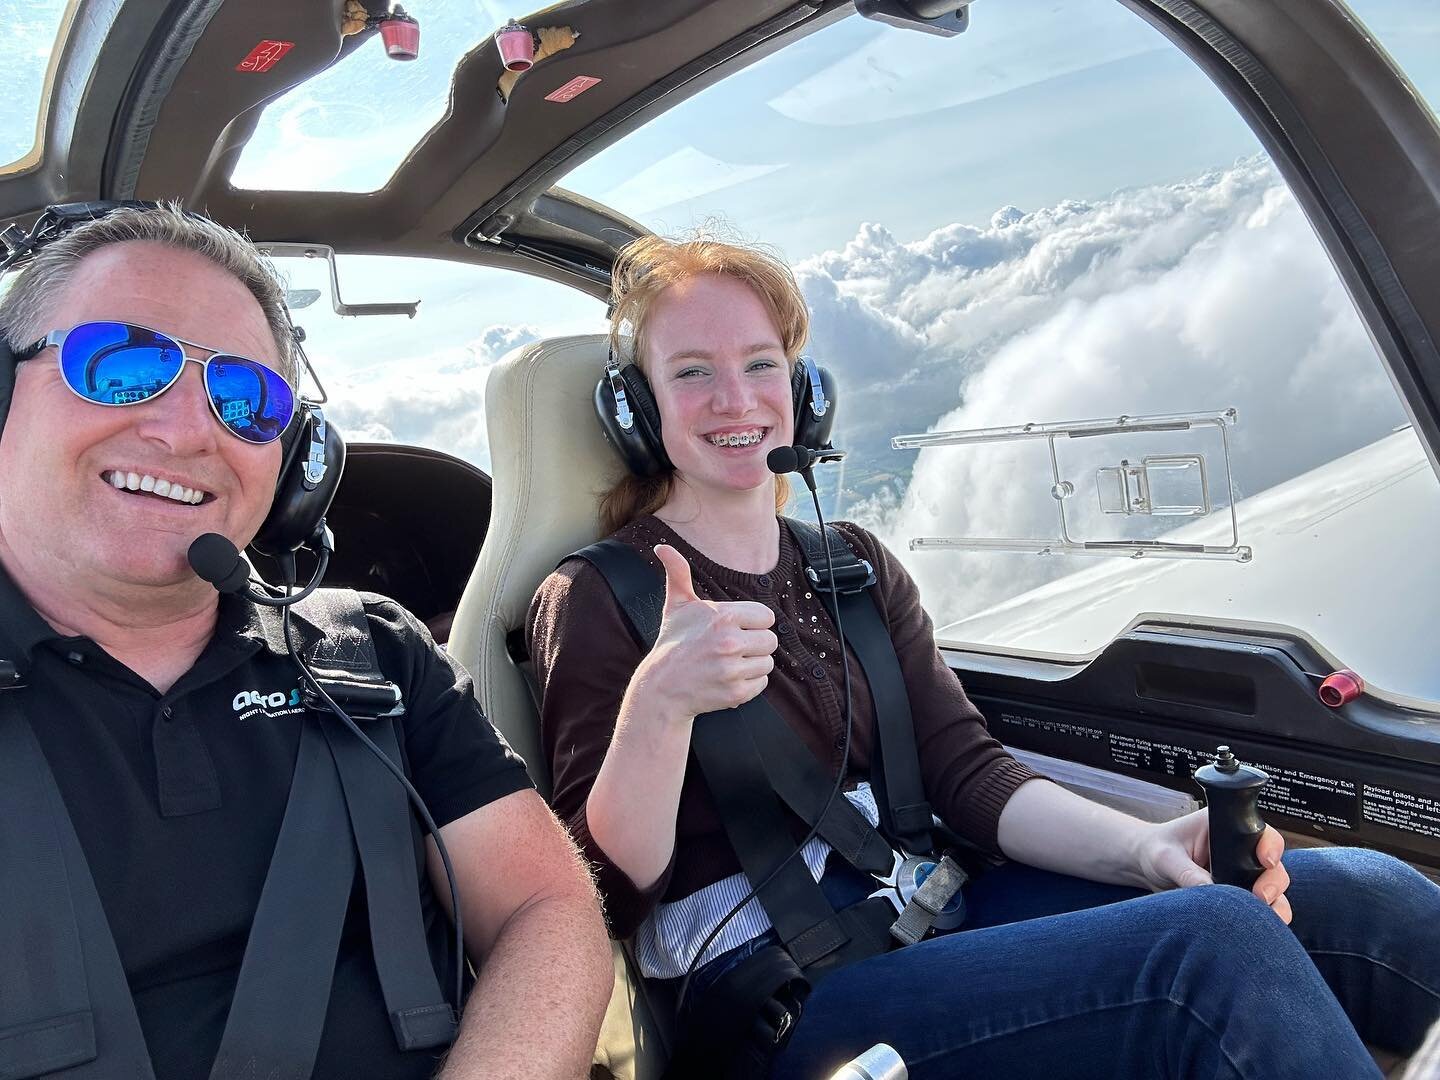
{"x":710,"y":655}
{"x":679,"y":587}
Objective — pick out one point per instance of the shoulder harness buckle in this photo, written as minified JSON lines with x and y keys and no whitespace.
{"x":851,"y":575}
{"x":841,"y":572}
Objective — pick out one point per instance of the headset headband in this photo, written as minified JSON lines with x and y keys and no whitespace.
{"x":55,"y":221}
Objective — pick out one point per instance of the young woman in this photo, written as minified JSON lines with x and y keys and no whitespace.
{"x":1087,"y":953}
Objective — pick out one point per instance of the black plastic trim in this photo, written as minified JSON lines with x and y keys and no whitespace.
{"x":1335,"y":772}
{"x":145,"y":96}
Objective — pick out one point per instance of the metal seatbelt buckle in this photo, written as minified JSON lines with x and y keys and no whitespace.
{"x":926,"y":896}
{"x":776,"y":1020}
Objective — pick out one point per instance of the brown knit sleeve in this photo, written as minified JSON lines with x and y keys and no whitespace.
{"x":968,"y":775}
{"x":584,"y":657}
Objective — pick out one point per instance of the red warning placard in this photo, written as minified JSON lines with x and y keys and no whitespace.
{"x":572,"y":89}
{"x":264,"y":56}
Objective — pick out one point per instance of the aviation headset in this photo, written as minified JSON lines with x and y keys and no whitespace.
{"x":630,"y":418}
{"x":312,"y":448}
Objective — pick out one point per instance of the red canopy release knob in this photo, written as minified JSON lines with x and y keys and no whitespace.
{"x":1341,"y":687}
{"x":401,"y":35}
{"x":516,"y":45}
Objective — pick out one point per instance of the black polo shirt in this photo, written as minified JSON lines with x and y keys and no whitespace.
{"x":177,"y":799}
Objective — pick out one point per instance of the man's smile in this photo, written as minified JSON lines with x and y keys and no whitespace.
{"x":159,"y":486}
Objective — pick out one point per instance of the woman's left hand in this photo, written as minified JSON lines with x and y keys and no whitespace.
{"x":1175,"y":854}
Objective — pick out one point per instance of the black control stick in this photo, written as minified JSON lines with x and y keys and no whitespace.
{"x":1232,"y":793}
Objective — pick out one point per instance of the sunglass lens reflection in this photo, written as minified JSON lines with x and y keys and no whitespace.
{"x":250,"y":399}
{"x":115,"y":364}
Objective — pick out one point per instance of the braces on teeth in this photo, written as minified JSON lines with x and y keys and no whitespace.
{"x":734,"y":439}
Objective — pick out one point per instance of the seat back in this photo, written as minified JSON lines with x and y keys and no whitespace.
{"x":551,"y":464}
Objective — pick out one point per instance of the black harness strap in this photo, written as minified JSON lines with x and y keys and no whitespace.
{"x":638,"y":587}
{"x":65,"y":1005}
{"x":800,"y":780}
{"x":345,"y":810}
{"x":905,"y":813}
{"x":760,"y":834}
{"x":283,"y":991}
{"x":344,"y":660}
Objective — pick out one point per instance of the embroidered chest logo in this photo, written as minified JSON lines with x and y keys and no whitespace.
{"x":251,"y":703}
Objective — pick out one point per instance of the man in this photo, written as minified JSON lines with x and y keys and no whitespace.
{"x":153,"y":697}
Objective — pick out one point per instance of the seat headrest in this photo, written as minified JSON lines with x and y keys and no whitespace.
{"x":550,"y":465}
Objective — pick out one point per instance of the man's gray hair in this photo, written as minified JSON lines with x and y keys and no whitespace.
{"x":25,"y":308}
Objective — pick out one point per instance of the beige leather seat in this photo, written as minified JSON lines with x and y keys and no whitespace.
{"x":550,"y":465}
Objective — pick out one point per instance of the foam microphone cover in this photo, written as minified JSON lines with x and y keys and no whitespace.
{"x":783,"y":459}
{"x":217,"y":560}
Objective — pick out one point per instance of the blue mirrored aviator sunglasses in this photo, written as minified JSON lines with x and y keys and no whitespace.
{"x":116,"y":363}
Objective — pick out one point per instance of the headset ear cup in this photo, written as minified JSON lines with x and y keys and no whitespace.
{"x":7,"y":378}
{"x":641,"y":447}
{"x":799,"y":391}
{"x":647,"y":414}
{"x":811,"y":430}
{"x":301,"y":501}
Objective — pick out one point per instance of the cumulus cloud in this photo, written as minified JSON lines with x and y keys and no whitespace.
{"x":496,"y":341}
{"x":433,"y":400}
{"x":1189,"y":297}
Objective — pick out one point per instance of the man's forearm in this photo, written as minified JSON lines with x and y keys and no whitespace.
{"x":543,"y":989}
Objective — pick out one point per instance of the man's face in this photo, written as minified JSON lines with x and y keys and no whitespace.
{"x":59,"y":507}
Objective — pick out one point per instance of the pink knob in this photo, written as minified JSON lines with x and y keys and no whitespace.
{"x":516,"y":45}
{"x":1341,"y":687}
{"x":401,"y":35}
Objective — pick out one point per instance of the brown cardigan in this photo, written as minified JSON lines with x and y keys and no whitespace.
{"x":584,"y":656}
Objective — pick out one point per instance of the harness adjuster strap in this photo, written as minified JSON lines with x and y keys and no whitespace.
{"x":929,"y":900}
{"x":818,"y":942}
{"x":362,"y":699}
{"x":424,"y":1027}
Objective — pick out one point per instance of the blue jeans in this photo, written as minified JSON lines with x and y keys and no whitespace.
{"x":1054,"y":977}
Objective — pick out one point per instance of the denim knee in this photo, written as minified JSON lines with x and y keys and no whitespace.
{"x":1223,"y":914}
{"x":1217,"y":937}
{"x":1237,"y":978}
{"x":1353,"y":896}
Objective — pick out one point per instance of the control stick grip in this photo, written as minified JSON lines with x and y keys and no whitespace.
{"x":1232,"y":795}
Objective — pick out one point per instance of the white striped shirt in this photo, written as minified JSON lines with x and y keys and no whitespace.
{"x":666,"y":941}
